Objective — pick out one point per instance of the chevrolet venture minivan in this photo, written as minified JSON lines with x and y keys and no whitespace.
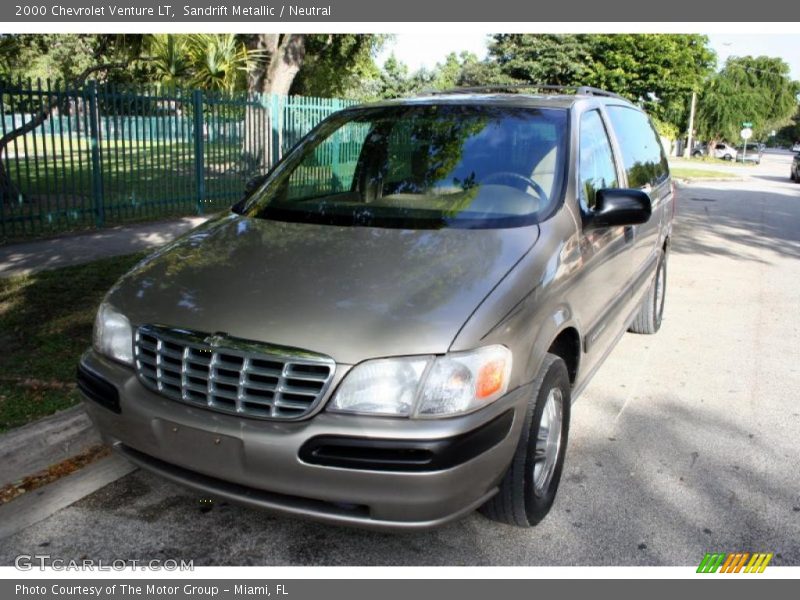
{"x":389,"y":330}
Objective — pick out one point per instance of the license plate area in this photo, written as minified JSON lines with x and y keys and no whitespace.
{"x":197,"y":449}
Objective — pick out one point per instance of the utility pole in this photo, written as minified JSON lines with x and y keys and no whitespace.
{"x":691,"y":125}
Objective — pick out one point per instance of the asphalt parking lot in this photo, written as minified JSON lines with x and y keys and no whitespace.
{"x":685,"y":442}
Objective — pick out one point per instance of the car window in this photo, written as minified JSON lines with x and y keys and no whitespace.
{"x":422,"y":166}
{"x":596,"y":169}
{"x":642,"y":155}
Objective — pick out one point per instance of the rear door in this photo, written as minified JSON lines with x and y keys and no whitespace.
{"x":646,"y":168}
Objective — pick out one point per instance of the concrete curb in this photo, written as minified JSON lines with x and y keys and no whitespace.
{"x":36,"y":446}
{"x":39,"y":504}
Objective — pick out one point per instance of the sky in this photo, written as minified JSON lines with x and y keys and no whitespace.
{"x":420,"y":50}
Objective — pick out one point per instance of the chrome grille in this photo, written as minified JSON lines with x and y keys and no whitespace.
{"x":231,"y":375}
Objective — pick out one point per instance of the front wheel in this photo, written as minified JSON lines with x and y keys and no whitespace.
{"x":648,"y":319}
{"x":529,"y":486}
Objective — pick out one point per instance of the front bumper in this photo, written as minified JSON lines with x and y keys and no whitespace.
{"x":258,"y":462}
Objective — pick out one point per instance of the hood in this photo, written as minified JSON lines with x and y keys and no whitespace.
{"x":349,"y":292}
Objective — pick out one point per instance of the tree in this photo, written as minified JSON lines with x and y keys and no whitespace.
{"x":62,"y":57}
{"x":660,"y":72}
{"x":757,"y":90}
{"x":396,"y":81}
{"x":338,"y":66}
{"x":542,"y":58}
{"x":656,"y":70}
{"x":790,"y":134}
{"x":317,"y":58}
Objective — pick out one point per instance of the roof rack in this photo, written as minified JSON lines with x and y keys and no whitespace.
{"x":580,"y":90}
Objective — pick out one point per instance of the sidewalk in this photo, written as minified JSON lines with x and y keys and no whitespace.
{"x":28,"y":257}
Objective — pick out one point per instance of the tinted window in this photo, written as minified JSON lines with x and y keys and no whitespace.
{"x":642,"y":154}
{"x":596,"y":169}
{"x":422,"y":166}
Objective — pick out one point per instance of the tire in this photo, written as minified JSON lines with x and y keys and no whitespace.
{"x":520,"y":502}
{"x":727,"y":157}
{"x":648,"y":319}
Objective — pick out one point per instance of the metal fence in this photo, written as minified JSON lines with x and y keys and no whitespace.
{"x":106,"y":155}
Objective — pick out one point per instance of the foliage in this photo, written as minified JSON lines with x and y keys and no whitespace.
{"x":666,"y":129}
{"x":748,"y":89}
{"x":395,"y":80}
{"x":169,"y":58}
{"x":46,"y":319}
{"x":542,"y":58}
{"x":658,"y":71}
{"x":333,"y":65}
{"x":336,"y":66}
{"x":790,"y":134}
{"x":208,"y":61}
{"x":64,"y":56}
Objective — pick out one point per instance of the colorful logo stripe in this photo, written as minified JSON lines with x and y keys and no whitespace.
{"x":734,"y":562}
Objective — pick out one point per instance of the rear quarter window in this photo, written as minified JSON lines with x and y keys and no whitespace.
{"x":642,"y":154}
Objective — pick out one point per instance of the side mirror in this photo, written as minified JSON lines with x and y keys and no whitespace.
{"x":620,"y":207}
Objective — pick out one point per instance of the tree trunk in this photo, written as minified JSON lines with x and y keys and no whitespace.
{"x":285,"y":55}
{"x":284,"y":64}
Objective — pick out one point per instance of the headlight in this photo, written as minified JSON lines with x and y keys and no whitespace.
{"x":443,"y":386}
{"x":113,"y":336}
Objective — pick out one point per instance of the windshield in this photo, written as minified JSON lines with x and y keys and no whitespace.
{"x":421,"y":166}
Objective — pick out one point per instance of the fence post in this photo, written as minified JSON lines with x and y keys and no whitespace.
{"x":97,"y":163}
{"x":199,"y":155}
{"x":275,"y":119}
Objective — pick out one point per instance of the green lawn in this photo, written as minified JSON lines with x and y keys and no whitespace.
{"x":140,"y":181}
{"x":45,"y":325}
{"x":690,"y":173}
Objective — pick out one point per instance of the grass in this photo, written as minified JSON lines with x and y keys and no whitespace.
{"x":45,"y":325}
{"x":689,"y":173}
{"x":139,"y":182}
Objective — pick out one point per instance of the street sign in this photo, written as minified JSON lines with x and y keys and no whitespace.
{"x":746,"y":133}
{"x":747,"y":124}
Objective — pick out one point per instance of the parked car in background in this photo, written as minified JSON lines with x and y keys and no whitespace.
{"x":795,"y":172}
{"x":751,"y":154}
{"x":724,"y":151}
{"x":721,"y":150}
{"x":389,"y":331}
{"x":796,"y":147}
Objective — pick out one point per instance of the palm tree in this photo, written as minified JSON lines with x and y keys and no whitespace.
{"x":169,"y":58}
{"x":208,"y":61}
{"x":219,"y":62}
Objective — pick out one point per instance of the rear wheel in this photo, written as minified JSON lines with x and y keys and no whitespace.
{"x":648,"y":319}
{"x":529,"y":486}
